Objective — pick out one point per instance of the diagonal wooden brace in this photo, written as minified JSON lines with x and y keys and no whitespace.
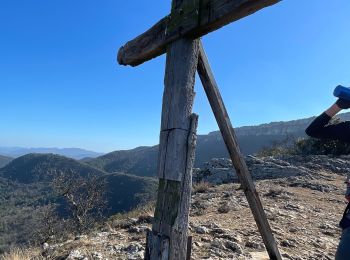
{"x":228,"y":134}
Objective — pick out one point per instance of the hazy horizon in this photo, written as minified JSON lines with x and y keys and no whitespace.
{"x":87,"y":149}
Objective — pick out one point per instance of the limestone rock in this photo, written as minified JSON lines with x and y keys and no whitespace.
{"x":76,"y":255}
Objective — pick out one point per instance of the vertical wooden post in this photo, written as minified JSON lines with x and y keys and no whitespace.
{"x":189,"y":248}
{"x":169,"y":236}
{"x":223,"y":120}
{"x":168,"y":239}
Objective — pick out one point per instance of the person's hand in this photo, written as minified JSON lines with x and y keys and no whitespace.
{"x":343,"y":103}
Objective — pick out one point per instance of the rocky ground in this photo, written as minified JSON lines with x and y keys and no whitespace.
{"x":303,"y":198}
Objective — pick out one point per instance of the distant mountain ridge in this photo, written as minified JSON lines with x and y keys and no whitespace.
{"x":32,"y":168}
{"x":142,"y":161}
{"x":123,"y":191}
{"x":75,"y":153}
{"x":4,"y":160}
{"x":139,"y":161}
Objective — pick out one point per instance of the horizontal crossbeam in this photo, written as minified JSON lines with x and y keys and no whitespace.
{"x":204,"y":17}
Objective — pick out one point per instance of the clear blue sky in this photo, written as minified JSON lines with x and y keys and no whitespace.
{"x":60,"y":84}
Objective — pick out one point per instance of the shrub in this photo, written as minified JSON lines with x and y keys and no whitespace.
{"x":306,"y":146}
{"x":224,"y":208}
{"x":309,"y":145}
{"x":320,"y":146}
{"x":84,"y":196}
{"x":281,"y":147}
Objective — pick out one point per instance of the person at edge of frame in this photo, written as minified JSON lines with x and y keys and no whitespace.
{"x":340,"y":131}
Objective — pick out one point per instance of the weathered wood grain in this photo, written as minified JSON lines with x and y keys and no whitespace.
{"x":212,"y":14}
{"x":189,"y":248}
{"x":223,"y":120}
{"x":178,"y":97}
{"x":170,"y":225}
{"x":157,"y":247}
{"x":179,"y":239}
{"x":173,"y":144}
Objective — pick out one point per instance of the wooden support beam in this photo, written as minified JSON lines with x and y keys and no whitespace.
{"x":189,"y":248}
{"x":169,"y":236}
{"x":238,"y":162}
{"x":204,"y":17}
{"x":178,"y":98}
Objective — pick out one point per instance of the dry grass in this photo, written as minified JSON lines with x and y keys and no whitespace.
{"x":142,"y":213}
{"x":201,"y":187}
{"x":22,"y":254}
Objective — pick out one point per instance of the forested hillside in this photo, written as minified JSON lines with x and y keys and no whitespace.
{"x":39,"y":189}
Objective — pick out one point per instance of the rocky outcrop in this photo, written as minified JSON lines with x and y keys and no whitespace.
{"x":220,"y":170}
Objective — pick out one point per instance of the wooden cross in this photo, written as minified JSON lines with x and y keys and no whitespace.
{"x":177,"y":34}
